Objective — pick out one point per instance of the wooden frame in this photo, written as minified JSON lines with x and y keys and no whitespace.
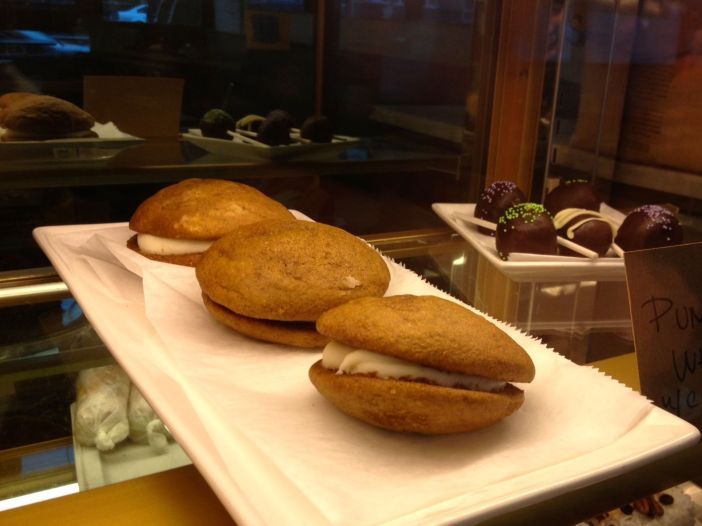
{"x":512,"y":69}
{"x":518,"y":89}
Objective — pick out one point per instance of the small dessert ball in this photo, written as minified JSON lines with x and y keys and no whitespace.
{"x":249,"y":123}
{"x":317,"y":129}
{"x":215,"y":123}
{"x":526,"y":227}
{"x":275,"y":129}
{"x":587,"y":228}
{"x":494,"y":200}
{"x":572,"y":194}
{"x":649,"y":226}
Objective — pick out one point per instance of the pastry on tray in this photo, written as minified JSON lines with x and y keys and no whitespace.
{"x":179,"y":222}
{"x":9,"y":99}
{"x":41,"y":117}
{"x":419,"y":364}
{"x":271,"y":280}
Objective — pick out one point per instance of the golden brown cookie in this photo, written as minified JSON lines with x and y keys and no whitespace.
{"x":204,"y":209}
{"x":200,"y":210}
{"x":295,"y":333}
{"x":431,"y":332}
{"x":8,"y":99}
{"x":414,"y":407}
{"x":46,"y":117}
{"x":290,"y":270}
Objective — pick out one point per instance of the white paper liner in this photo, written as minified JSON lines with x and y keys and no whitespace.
{"x":109,"y":130}
{"x":256,"y":397}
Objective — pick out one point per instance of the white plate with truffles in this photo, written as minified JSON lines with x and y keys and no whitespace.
{"x":522,"y":267}
{"x":242,"y":149}
{"x":267,"y":138}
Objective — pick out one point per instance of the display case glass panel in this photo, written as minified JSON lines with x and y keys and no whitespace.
{"x":429,"y":101}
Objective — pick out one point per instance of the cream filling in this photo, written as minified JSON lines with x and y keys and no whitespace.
{"x":164,"y":246}
{"x":347,"y":360}
{"x":567,"y":214}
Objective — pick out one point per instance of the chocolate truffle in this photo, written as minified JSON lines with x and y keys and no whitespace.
{"x":572,"y":194}
{"x":526,"y":227}
{"x":494,"y":200}
{"x":587,"y":228}
{"x":649,"y":226}
{"x":275,"y":129}
{"x":317,"y":129}
{"x":215,"y":123}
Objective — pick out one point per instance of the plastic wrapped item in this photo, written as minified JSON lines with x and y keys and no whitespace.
{"x":144,"y":424}
{"x":101,"y":407}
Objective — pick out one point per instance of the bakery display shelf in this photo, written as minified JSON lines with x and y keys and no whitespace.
{"x":89,"y":152}
{"x":170,"y":160}
{"x":107,"y":144}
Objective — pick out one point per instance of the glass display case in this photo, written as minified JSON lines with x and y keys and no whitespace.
{"x":430,"y":101}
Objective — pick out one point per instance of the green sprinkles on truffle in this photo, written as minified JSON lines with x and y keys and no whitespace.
{"x":528,"y":212}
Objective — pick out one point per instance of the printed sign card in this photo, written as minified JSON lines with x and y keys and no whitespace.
{"x":665,"y":298}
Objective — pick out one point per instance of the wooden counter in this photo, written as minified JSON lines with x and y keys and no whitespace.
{"x":179,"y":497}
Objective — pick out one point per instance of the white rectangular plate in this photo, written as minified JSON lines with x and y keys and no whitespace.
{"x":260,"y":480}
{"x":530,"y":267}
{"x":109,"y":142}
{"x":238,"y":149}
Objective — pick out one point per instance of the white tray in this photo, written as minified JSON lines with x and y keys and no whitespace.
{"x":236,"y":148}
{"x":245,"y":470}
{"x":530,"y":267}
{"x":109,"y":142}
{"x":129,"y":460}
